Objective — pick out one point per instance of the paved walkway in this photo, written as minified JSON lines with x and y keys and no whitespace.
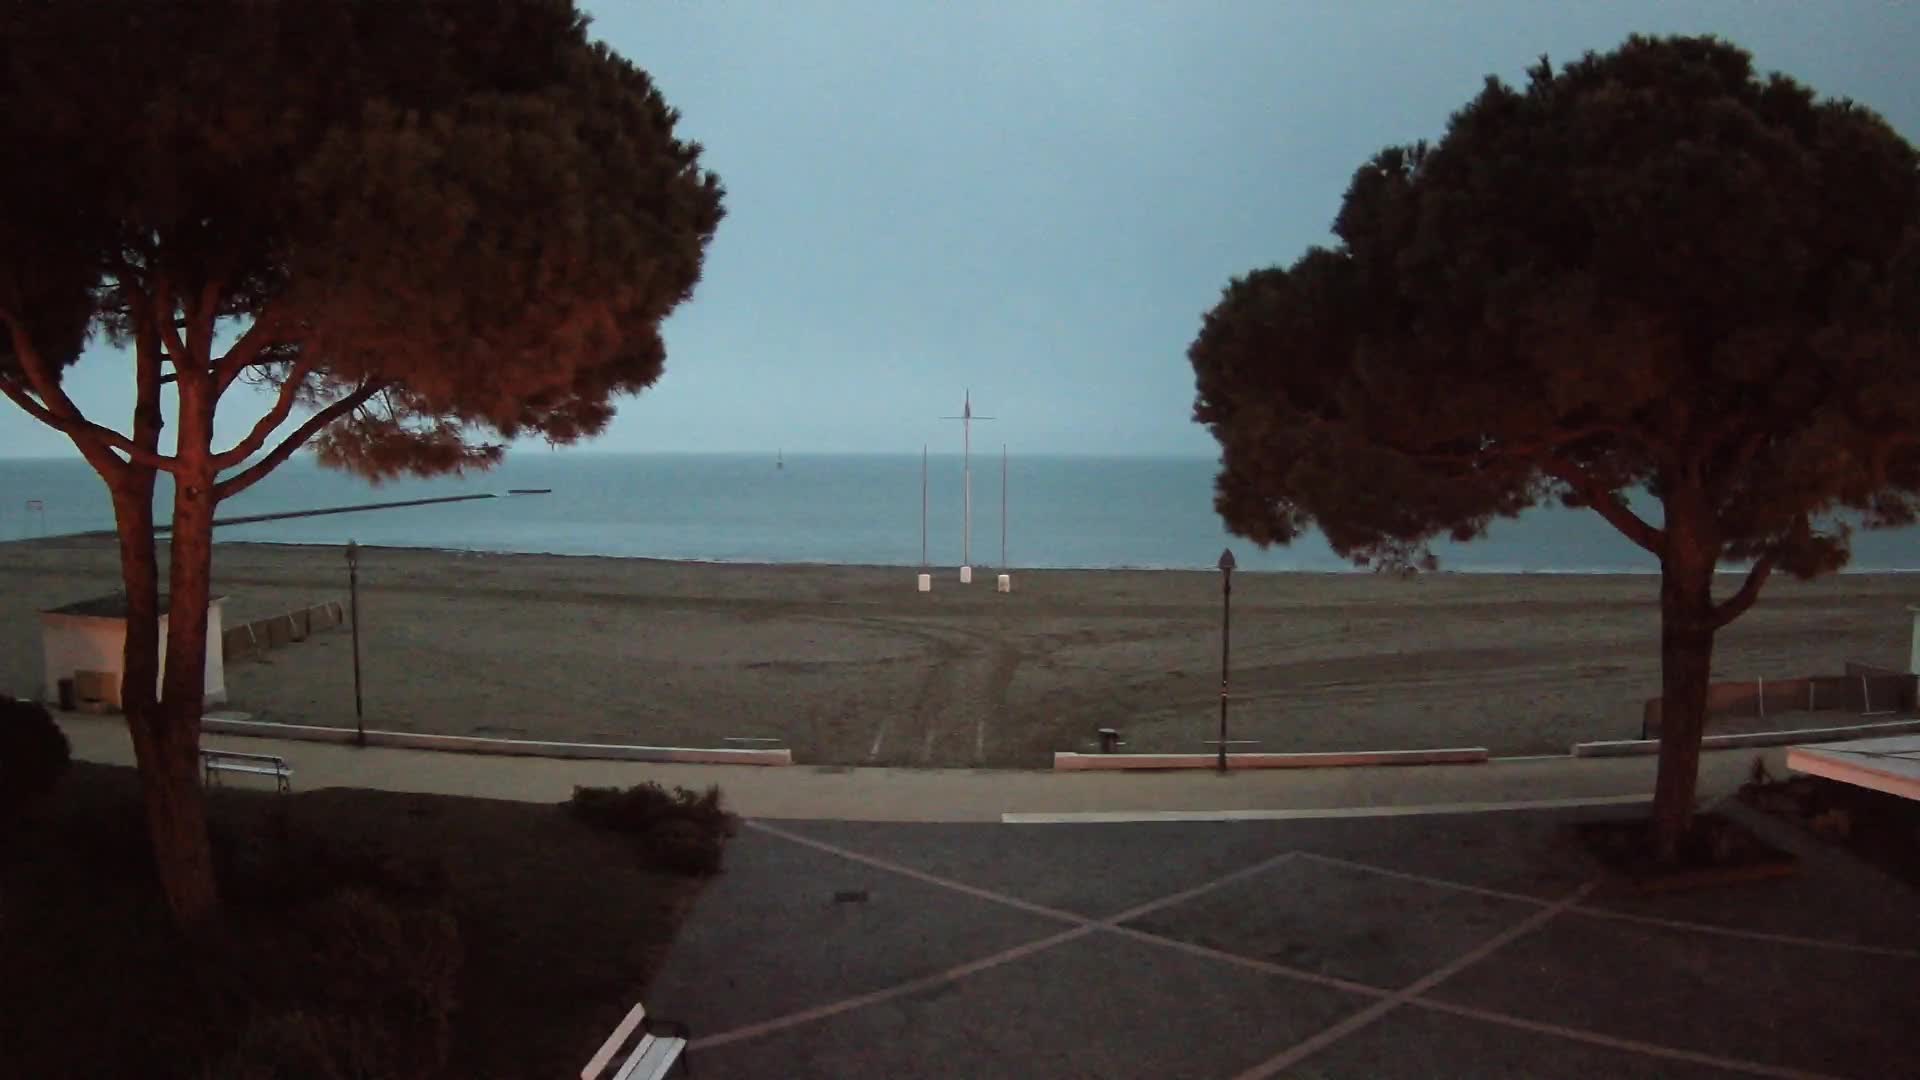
{"x":863,"y":794}
{"x":1437,"y":945}
{"x":917,"y":934}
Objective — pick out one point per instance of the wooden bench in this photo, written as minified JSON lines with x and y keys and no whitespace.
{"x":659,"y":1044}
{"x":218,"y":761}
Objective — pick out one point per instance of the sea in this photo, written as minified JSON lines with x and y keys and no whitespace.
{"x":1060,"y":511}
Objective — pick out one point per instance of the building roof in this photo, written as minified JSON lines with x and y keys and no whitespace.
{"x":113,"y":606}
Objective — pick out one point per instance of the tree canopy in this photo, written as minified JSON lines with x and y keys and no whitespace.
{"x":442,"y":222}
{"x":1652,"y":270}
{"x":1648,"y":266}
{"x":425,"y":227}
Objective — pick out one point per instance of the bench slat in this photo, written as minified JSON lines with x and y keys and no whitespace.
{"x":652,"y":1059}
{"x":260,"y":769}
{"x":235,"y":755}
{"x":614,"y":1042}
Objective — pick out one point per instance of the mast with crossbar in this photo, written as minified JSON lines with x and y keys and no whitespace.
{"x":966,"y":419}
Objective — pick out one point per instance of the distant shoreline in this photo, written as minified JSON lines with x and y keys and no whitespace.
{"x":937,"y":569}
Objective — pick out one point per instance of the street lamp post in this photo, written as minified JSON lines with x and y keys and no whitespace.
{"x":1226,"y":637}
{"x":353,"y":599}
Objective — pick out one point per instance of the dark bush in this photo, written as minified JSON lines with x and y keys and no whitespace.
{"x":351,"y":985}
{"x":680,"y":831}
{"x":284,"y":867}
{"x":303,"y":1046}
{"x":34,"y":754}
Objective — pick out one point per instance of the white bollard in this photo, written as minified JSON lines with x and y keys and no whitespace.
{"x":1005,"y":584}
{"x":1913,"y":660}
{"x":926,"y":582}
{"x":966,"y":575}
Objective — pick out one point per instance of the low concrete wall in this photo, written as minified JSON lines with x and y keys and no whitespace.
{"x":469,"y":744}
{"x":1631,"y":747}
{"x":1075,"y":762}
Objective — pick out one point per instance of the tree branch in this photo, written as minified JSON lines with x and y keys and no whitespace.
{"x":168,"y":326}
{"x":56,"y":410}
{"x":1609,"y":506}
{"x":241,"y":481}
{"x":1734,"y":606}
{"x":243,"y":355}
{"x":264,"y":427}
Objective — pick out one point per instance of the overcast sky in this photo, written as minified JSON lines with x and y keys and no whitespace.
{"x":1038,"y":200}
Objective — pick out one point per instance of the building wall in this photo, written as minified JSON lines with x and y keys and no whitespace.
{"x":70,"y":643}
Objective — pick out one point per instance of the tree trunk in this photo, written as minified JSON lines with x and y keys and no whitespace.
{"x":165,"y":750}
{"x":1686,"y":666}
{"x":176,"y":805}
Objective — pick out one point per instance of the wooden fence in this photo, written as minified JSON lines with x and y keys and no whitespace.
{"x":1864,"y":690}
{"x":260,"y":636}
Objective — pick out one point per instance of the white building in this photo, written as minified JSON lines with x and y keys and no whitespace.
{"x":86,"y":642}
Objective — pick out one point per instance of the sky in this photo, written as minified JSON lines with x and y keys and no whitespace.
{"x":1039,"y":199}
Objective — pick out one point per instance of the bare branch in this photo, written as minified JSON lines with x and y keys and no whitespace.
{"x":241,"y":481}
{"x":1608,"y":505}
{"x":264,"y":427}
{"x":1734,"y":606}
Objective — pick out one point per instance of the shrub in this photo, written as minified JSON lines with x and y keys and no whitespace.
{"x":288,"y":866}
{"x":296,"y":1045}
{"x":351,"y":985}
{"x":34,"y":754}
{"x":680,"y":831}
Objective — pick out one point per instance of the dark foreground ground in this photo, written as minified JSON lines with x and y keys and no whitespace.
{"x":559,"y":927}
{"x":1434,"y":946}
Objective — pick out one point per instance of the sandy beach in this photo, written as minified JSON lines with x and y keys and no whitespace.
{"x":849,"y":665}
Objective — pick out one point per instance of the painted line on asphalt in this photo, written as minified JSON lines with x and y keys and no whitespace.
{"x":1300,"y":1051}
{"x":1670,"y":1053}
{"x":1085,"y":926}
{"x":1748,"y":935}
{"x":1127,"y":817}
{"x":1422,"y":879}
{"x":1387,"y":999}
{"x":919,"y":875}
{"x":1625,"y":916}
{"x":1184,"y":895}
{"x":1266,"y":967}
{"x":927,"y":982}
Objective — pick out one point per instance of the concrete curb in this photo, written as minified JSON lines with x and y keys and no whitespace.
{"x":473,"y":744}
{"x":1075,"y":762}
{"x":1632,"y":747}
{"x":1117,"y":817}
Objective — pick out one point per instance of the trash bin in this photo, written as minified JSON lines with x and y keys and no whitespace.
{"x":67,"y":700}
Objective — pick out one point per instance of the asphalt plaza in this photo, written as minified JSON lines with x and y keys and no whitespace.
{"x":1446,"y":944}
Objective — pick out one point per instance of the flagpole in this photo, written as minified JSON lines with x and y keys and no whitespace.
{"x":1003,"y":508}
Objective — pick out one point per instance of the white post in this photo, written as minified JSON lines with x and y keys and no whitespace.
{"x":1913,"y":659}
{"x":966,"y":482}
{"x":966,"y":419}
